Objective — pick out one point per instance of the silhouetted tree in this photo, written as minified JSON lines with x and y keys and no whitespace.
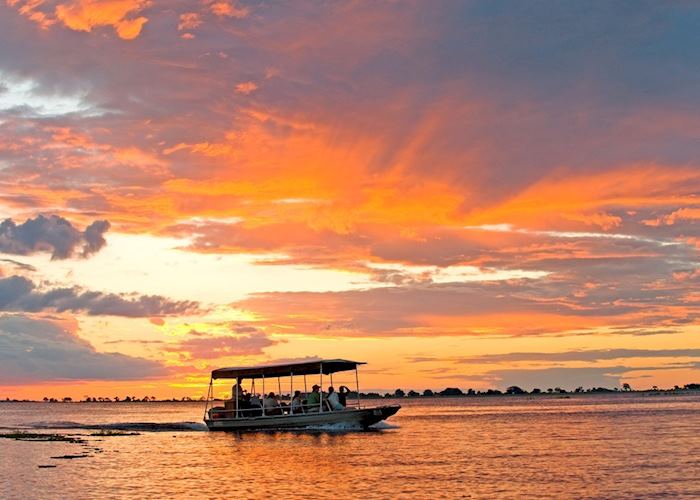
{"x":451,"y":391}
{"x":536,"y":391}
{"x":428,"y":393}
{"x":626,"y":387}
{"x":514,"y":389}
{"x":398,"y":393}
{"x":413,"y":394}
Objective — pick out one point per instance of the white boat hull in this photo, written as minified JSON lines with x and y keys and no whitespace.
{"x":360,"y":419}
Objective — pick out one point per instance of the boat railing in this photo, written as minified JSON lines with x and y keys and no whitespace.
{"x":278,"y":411}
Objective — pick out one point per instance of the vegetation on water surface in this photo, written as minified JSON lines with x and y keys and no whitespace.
{"x":109,"y":432}
{"x":29,"y":436}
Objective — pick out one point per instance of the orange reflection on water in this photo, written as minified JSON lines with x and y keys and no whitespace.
{"x":582,"y":446}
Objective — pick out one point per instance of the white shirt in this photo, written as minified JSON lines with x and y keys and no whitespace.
{"x":270,"y":403}
{"x":335,"y":402}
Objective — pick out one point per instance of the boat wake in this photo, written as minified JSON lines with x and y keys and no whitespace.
{"x":125,"y":426}
{"x":337,"y":427}
{"x":384,"y":425}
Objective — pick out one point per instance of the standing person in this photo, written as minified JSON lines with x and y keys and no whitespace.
{"x":313,"y":400}
{"x":343,"y":392}
{"x":297,"y":403}
{"x":333,"y":400}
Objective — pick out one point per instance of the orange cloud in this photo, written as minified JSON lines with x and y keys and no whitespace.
{"x":32,"y":10}
{"x":84,"y":15}
{"x":558,"y":197}
{"x":682,"y":214}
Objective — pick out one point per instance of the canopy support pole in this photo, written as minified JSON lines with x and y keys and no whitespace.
{"x":238,"y":383}
{"x":320,"y":399}
{"x":263,"y":396}
{"x":357,"y":387}
{"x":209,"y":391}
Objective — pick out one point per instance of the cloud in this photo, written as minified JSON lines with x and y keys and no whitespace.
{"x":54,"y":234}
{"x":189,"y":21}
{"x":19,"y":265}
{"x":242,"y":341}
{"x":491,"y":116}
{"x":682,"y":214}
{"x":588,"y":355}
{"x":38,"y":350}
{"x":18,"y":293}
{"x":228,"y":8}
{"x":85,"y":15}
{"x":246,"y":87}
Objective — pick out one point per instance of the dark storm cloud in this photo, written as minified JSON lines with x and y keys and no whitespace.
{"x":18,"y":293}
{"x":36,"y":350}
{"x":51,"y":234}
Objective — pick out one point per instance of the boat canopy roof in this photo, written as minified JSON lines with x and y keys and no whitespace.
{"x":327,"y":366}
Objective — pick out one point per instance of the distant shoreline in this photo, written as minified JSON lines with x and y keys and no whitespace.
{"x":690,"y":389}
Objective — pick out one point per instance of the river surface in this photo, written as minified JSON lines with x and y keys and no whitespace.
{"x":588,"y":446}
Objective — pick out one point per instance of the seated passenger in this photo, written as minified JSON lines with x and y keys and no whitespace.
{"x":297,"y":403}
{"x":333,"y":401}
{"x":313,"y":400}
{"x":272,"y":405}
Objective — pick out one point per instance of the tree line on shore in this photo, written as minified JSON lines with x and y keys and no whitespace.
{"x":398,"y":393}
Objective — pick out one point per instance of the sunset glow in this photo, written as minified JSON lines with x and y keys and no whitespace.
{"x":194,"y":184}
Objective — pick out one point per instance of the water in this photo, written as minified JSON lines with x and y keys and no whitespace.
{"x":590,"y":446}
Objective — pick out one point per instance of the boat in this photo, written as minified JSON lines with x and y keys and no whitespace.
{"x":241,"y":413}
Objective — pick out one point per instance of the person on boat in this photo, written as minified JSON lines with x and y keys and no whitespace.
{"x":313,"y":400}
{"x":343,"y":392}
{"x":272,"y":405}
{"x":333,"y":400}
{"x":237,"y":392}
{"x":297,"y":403}
{"x":255,"y":406}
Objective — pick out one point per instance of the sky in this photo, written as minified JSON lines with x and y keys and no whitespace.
{"x":469,"y":194}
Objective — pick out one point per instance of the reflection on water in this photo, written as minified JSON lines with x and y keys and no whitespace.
{"x":585,"y":446}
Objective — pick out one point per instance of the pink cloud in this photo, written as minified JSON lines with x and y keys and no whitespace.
{"x":246,"y":87}
{"x":227,"y":8}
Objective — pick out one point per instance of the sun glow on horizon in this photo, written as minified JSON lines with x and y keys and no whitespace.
{"x":288,"y":188}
